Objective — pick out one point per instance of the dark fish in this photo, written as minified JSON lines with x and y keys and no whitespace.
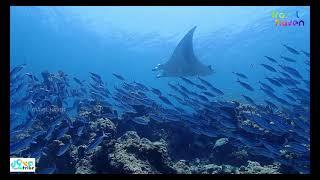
{"x":306,"y":53}
{"x":296,"y":147}
{"x":208,"y":94}
{"x":95,"y":143}
{"x":38,"y":133}
{"x":285,"y":74}
{"x":141,"y":120}
{"x":273,"y":106}
{"x":56,"y":122}
{"x":62,"y":132}
{"x":200,"y":87}
{"x":156,"y":91}
{"x":282,"y":101}
{"x":177,"y":98}
{"x":141,"y":86}
{"x":288,"y":59}
{"x":97,"y":87}
{"x":204,"y":82}
{"x":156,"y":117}
{"x":216,"y":90}
{"x":96,"y":95}
{"x":141,"y":94}
{"x":291,"y":71}
{"x":35,"y":78}
{"x":299,"y":92}
{"x":265,"y":86}
{"x":293,"y":51}
{"x":184,"y":89}
{"x":63,"y":149}
{"x":272,"y":148}
{"x":175,"y":88}
{"x":211,"y":134}
{"x":95,"y":75}
{"x":118,"y":76}
{"x":307,"y":82}
{"x":248,"y":99}
{"x":196,"y":130}
{"x":18,"y":77}
{"x":180,"y":109}
{"x":270,"y":68}
{"x":15,"y":132}
{"x":227,"y":123}
{"x":260,"y":121}
{"x":165,"y":100}
{"x":245,"y":85}
{"x":300,"y":123}
{"x":121,"y":91}
{"x":274,"y":82}
{"x":252,"y":130}
{"x":187,"y":80}
{"x":17,"y":69}
{"x":203,"y":98}
{"x":271,"y":59}
{"x":286,"y":81}
{"x":107,"y":91}
{"x":49,"y":133}
{"x":96,"y":80}
{"x":247,"y":141}
{"x":21,"y":145}
{"x":77,"y":81}
{"x":267,"y":92}
{"x":290,"y":97}
{"x":185,"y":95}
{"x":193,"y":93}
{"x":20,"y":86}
{"x":80,"y":131}
{"x":240,"y":75}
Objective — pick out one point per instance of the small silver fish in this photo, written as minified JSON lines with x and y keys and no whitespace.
{"x":220,"y":142}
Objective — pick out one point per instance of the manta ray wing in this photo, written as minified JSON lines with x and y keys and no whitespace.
{"x":183,"y":61}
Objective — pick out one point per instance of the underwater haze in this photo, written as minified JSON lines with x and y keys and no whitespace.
{"x":172,"y":90}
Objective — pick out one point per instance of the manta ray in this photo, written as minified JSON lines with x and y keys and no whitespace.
{"x":183,"y":61}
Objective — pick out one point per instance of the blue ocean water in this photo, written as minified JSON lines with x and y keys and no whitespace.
{"x":131,"y":41}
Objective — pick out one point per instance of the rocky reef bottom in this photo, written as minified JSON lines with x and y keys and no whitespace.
{"x":123,"y":147}
{"x":131,"y":154}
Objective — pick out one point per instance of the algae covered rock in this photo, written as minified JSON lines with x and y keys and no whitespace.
{"x":103,"y":124}
{"x":256,"y":168}
{"x":131,"y":154}
{"x":182,"y":168}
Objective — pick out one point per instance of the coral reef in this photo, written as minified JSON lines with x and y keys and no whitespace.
{"x":133,"y":155}
{"x":256,"y":168}
{"x":103,"y":124}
